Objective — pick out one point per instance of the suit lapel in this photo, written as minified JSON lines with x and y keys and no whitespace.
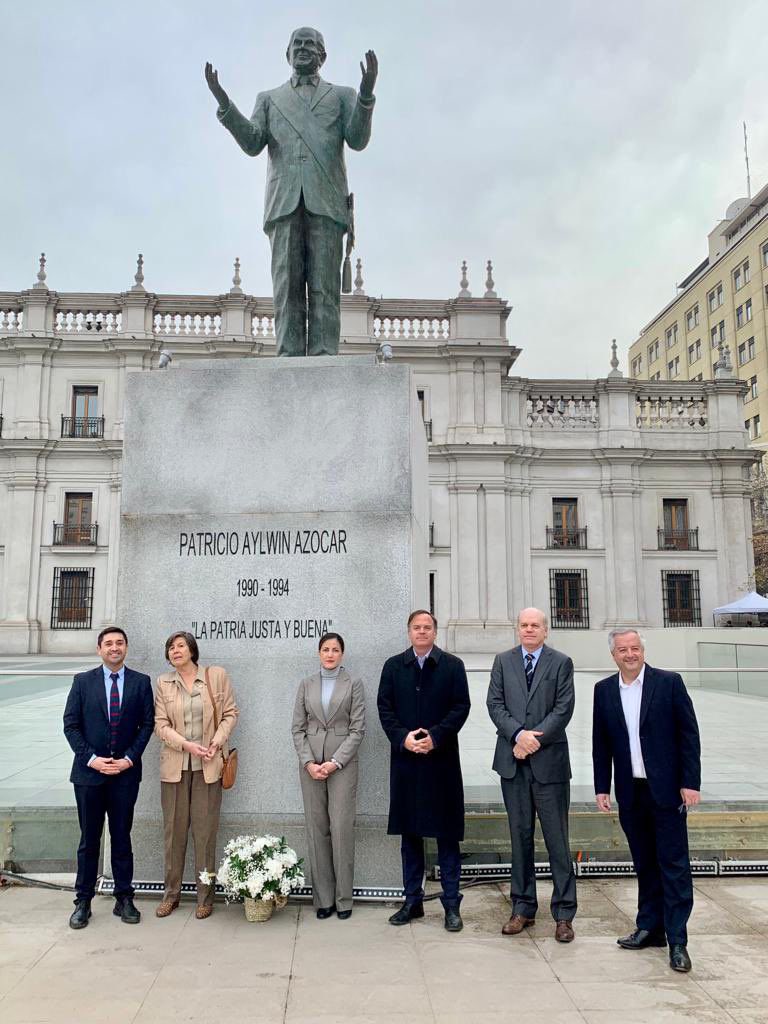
{"x":538,"y":673}
{"x":314,"y":696}
{"x":100,"y":691}
{"x":340,"y":689}
{"x":518,"y":672}
{"x":649,"y":686}
{"x":614,"y":695}
{"x":322,"y":89}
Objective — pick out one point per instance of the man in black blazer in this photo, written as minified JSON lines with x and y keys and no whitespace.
{"x":530,"y":701}
{"x":644,"y":728}
{"x":108,"y":720}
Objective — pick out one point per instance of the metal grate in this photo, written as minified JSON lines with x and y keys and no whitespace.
{"x":568,"y":599}
{"x":72,"y":601}
{"x":681,"y":597}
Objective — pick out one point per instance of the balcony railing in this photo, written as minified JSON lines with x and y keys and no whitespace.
{"x":559,"y":537}
{"x":428,"y":428}
{"x":78,"y":536}
{"x":678,"y":540}
{"x":82,"y":426}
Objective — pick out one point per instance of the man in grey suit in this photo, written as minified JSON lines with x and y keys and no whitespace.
{"x":530,"y":701}
{"x":307,"y":210}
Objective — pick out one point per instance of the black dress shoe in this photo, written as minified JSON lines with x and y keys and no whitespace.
{"x":408,"y":912}
{"x":678,"y":958}
{"x":343,"y":915}
{"x":80,"y":915}
{"x":324,"y":912}
{"x":641,"y":939}
{"x":126,"y":911}
{"x":453,"y":922}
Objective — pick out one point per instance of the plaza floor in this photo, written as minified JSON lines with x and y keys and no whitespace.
{"x":299,"y":970}
{"x":36,"y":759}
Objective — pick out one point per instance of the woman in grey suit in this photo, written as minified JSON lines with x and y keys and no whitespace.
{"x":328,"y":726}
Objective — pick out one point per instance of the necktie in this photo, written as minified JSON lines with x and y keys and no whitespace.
{"x":528,"y":671}
{"x":114,"y":711}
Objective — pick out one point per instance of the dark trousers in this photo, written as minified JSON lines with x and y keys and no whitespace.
{"x":658,"y":842}
{"x":524,"y":798}
{"x":114,"y":799}
{"x":306,"y":282}
{"x":449,"y":859}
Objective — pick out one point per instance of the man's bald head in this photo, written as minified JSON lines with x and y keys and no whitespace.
{"x":532,"y":628}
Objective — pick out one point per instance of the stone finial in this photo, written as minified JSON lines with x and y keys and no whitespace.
{"x":723,"y":366}
{"x":236,"y":279}
{"x":138,"y":277}
{"x":727,"y":362}
{"x":41,"y":274}
{"x":615,"y":371}
{"x":489,"y":282}
{"x":464,"y":292}
{"x":359,"y":290}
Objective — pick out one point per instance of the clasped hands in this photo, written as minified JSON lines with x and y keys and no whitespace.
{"x":424,"y":745}
{"x":110,"y":765}
{"x":320,"y":772}
{"x":198,"y":750}
{"x":526,"y":743}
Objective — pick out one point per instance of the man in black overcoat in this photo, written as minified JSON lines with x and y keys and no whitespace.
{"x":108,"y":720}
{"x":644,"y":728}
{"x":423,"y":703}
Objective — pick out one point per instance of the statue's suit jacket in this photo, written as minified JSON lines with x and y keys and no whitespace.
{"x":306,"y":146}
{"x":547,"y":708}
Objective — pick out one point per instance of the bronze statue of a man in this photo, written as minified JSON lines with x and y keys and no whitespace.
{"x":307,"y":210}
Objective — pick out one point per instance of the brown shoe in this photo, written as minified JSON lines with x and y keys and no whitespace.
{"x":564,"y":931}
{"x":515,"y":924}
{"x":166,"y":908}
{"x":203,"y":911}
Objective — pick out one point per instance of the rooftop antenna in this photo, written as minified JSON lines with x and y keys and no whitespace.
{"x":746,"y":161}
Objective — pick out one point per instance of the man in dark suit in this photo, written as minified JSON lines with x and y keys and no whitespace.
{"x":644,"y":728}
{"x":423,"y":702}
{"x":530,"y":701}
{"x":108,"y":720}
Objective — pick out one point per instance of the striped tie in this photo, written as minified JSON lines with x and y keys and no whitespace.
{"x":114,"y":711}
{"x":528,"y":671}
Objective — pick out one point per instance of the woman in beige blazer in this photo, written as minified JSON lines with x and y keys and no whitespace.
{"x":328,"y":726}
{"x":191,"y":764}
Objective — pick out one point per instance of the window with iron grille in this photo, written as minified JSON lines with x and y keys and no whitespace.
{"x":568,"y":599}
{"x":72,"y":602}
{"x":681,"y":597}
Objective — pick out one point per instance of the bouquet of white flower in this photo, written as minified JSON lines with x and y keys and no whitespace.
{"x":258,"y":868}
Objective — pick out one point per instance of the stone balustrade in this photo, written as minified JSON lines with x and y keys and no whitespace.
{"x":562,"y":411}
{"x":672,"y":412}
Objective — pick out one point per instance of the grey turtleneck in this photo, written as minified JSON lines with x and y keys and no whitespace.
{"x":328,"y":679}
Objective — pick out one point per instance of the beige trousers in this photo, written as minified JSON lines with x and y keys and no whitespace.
{"x":194,"y":803}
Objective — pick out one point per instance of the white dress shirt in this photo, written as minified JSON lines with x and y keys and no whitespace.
{"x":631,"y":698}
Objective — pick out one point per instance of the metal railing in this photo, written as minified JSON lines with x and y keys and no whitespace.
{"x":79,"y":536}
{"x":82,"y":426}
{"x":678,"y":540}
{"x":561,"y":537}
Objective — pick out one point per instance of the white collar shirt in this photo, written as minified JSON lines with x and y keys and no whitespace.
{"x":421,"y":658}
{"x":631,"y":699}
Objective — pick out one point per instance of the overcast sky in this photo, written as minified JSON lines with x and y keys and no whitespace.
{"x":587,"y":148}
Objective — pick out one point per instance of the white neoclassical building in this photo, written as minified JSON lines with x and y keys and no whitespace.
{"x":603,"y":501}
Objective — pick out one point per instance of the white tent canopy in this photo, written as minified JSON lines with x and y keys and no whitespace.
{"x":750,"y":604}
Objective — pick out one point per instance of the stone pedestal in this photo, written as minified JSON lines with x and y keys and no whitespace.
{"x":265,"y":502}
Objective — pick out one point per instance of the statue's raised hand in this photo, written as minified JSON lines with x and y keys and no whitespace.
{"x":212,"y":78}
{"x":369,"y":71}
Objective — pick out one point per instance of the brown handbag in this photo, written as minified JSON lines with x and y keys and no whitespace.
{"x":229,"y":771}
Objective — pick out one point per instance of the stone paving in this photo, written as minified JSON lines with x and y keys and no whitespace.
{"x":299,"y":970}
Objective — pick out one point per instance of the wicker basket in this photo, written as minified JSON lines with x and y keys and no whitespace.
{"x":258,"y":910}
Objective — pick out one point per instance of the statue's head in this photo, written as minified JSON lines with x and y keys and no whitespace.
{"x":306,"y":51}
